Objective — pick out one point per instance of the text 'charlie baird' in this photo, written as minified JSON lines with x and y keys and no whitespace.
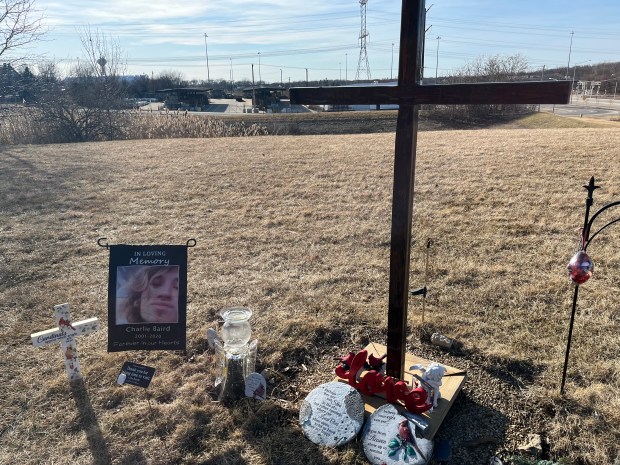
{"x":145,"y":328}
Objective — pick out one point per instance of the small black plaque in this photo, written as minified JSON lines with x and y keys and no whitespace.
{"x":136,"y":374}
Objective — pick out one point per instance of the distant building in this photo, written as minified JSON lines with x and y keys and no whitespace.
{"x":263,"y":97}
{"x":588,"y":87}
{"x":185,"y":98}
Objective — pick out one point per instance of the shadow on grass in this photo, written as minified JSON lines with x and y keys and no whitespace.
{"x":39,"y":195}
{"x":474,"y":430}
{"x":273,"y":433}
{"x":134,"y":457}
{"x":516,"y":373}
{"x":89,"y":424}
{"x":230,"y":457}
{"x":27,"y":186}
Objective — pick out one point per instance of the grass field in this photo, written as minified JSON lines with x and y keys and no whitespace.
{"x":298,"y":229}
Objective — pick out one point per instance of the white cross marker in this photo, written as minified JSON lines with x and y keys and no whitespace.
{"x":65,"y":334}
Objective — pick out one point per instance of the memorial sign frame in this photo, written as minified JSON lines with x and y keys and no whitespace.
{"x":147,"y":296}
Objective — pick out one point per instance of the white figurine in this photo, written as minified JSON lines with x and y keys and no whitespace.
{"x":431,"y":380}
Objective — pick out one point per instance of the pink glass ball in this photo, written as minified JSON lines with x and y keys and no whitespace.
{"x":580,"y":267}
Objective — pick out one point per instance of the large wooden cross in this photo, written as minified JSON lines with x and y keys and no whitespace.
{"x":409,"y":94}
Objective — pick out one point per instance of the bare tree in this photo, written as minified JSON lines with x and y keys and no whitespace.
{"x":20,"y":25}
{"x":103,"y":55}
{"x":88,"y":104}
{"x":495,"y":68}
{"x":168,"y":79}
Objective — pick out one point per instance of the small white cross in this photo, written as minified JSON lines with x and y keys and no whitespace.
{"x":65,"y":334}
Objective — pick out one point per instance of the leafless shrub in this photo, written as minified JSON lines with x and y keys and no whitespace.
{"x":495,"y":68}
{"x":16,"y":126}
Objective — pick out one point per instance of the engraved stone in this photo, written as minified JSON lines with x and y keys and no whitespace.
{"x":389,"y":437}
{"x":332,"y":414}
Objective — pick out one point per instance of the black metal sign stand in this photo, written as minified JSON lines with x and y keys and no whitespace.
{"x":586,"y":238}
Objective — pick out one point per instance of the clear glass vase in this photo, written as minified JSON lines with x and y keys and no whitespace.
{"x":236,"y":331}
{"x":236,"y":355}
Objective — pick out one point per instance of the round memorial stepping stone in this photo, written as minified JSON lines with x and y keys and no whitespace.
{"x":389,"y":438}
{"x":332,"y":414}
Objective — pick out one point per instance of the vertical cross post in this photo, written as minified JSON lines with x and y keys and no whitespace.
{"x":66,"y":333}
{"x":409,"y":73}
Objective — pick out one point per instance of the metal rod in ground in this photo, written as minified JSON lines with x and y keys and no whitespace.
{"x":570,"y":336}
{"x":428,"y":249}
{"x":148,"y":399}
{"x":585,"y":234}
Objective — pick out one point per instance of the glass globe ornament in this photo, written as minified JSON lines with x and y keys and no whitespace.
{"x":580,"y":267}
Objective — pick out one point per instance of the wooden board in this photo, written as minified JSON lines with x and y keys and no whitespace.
{"x":452,"y":382}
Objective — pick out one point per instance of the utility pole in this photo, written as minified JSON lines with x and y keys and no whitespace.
{"x":437,"y":62}
{"x":281,"y":82}
{"x":232,"y":77}
{"x":306,"y":77}
{"x":207,"y":53}
{"x":392,"y":63}
{"x":346,"y":67}
{"x":253,"y":90}
{"x":340,"y":65}
{"x":570,"y":49}
{"x":259,"y":76}
{"x":542,"y":78}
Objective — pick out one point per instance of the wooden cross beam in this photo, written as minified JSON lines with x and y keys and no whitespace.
{"x":65,"y":333}
{"x":409,"y":94}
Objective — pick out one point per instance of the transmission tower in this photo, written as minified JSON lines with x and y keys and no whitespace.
{"x":362,"y":64}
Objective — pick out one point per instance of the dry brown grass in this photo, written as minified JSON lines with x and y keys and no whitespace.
{"x":23,"y":125}
{"x":298,"y":229}
{"x":182,"y":125}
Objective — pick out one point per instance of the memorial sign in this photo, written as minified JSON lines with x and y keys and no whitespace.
{"x":332,"y":414}
{"x":147,"y":296}
{"x":65,"y":333}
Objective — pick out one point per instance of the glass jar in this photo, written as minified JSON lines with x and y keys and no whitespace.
{"x":236,"y":331}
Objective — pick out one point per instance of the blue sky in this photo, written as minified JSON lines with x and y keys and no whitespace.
{"x":322,"y":35}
